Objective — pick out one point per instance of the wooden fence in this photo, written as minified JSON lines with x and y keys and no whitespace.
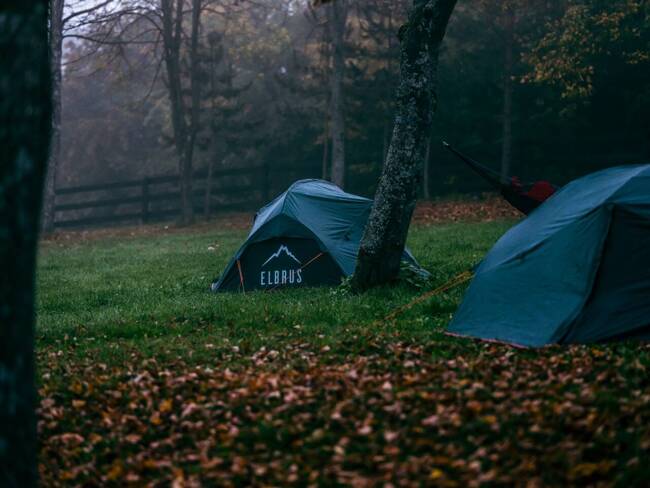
{"x":157,"y":198}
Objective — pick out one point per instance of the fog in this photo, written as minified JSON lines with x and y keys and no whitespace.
{"x":536,"y":89}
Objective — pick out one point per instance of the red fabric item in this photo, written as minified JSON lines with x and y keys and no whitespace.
{"x":540,"y":191}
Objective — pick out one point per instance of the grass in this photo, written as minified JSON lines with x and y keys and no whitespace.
{"x":142,"y":292}
{"x":148,"y":378}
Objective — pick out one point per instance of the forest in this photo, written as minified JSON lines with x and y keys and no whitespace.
{"x":537,"y":89}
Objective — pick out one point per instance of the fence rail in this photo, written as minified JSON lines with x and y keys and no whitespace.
{"x":157,"y":198}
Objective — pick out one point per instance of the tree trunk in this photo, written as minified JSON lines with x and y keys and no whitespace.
{"x":172,"y":19}
{"x":56,"y":50}
{"x":506,"y":140}
{"x":188,"y":200}
{"x":384,"y":237}
{"x":25,"y":124}
{"x":326,"y":55}
{"x":338,"y":17}
{"x":187,"y":204}
{"x":325,"y":148}
{"x":208,"y":191}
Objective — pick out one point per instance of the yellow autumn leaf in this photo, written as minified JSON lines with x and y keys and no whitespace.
{"x":490,"y":419}
{"x":67,"y":475}
{"x":95,"y":438}
{"x":585,"y":470}
{"x":149,"y":464}
{"x":166,"y":406}
{"x":115,"y":472}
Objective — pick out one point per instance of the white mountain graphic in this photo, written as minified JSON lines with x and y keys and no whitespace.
{"x":276,"y":254}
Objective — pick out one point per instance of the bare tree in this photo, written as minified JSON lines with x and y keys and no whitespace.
{"x":323,"y":25}
{"x":111,"y":23}
{"x":326,"y":54}
{"x":68,"y":24}
{"x":171,"y":12}
{"x":337,"y":16}
{"x":25,"y":106}
{"x":385,"y":234}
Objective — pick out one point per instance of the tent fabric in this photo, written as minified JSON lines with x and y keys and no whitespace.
{"x":576,"y":270}
{"x":314,"y":227}
{"x":526,"y":197}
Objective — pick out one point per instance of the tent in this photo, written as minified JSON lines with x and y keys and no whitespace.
{"x":577,"y":270}
{"x":309,"y":235}
{"x":525,"y":197}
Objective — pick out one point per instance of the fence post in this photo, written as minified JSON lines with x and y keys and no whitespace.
{"x":145,"y":200}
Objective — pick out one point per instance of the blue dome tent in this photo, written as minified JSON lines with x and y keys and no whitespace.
{"x":307,"y":236}
{"x":576,"y":270}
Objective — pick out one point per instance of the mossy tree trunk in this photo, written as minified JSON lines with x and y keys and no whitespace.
{"x":25,"y":111}
{"x":384,"y":237}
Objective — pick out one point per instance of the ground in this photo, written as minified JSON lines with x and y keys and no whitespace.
{"x":147,"y":378}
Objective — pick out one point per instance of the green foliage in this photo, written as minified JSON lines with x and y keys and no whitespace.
{"x":345,"y":288}
{"x":587,"y":39}
{"x":584,"y":102}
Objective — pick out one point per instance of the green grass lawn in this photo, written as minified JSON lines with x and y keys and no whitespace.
{"x":152,"y":294}
{"x":146,"y":376}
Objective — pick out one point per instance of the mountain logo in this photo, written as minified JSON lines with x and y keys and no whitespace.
{"x":282,"y":249}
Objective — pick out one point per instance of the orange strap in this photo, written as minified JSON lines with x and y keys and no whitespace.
{"x":452,"y":283}
{"x":241,"y":277}
{"x":301,"y":267}
{"x":311,"y":260}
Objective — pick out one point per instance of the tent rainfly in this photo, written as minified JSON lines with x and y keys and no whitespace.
{"x":576,"y":270}
{"x":308,"y":236}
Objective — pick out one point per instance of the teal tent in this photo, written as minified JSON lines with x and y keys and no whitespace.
{"x":576,"y":270}
{"x":307,"y":236}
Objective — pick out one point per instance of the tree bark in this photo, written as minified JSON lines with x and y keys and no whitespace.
{"x":506,"y":139}
{"x":338,"y":17}
{"x":25,"y":124}
{"x":195,"y":100}
{"x":385,"y":234}
{"x":172,"y":20}
{"x":56,"y":51}
{"x":208,"y":191}
{"x":326,"y":55}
